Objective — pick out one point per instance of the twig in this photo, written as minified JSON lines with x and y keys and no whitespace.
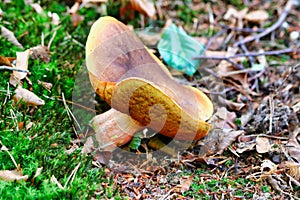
{"x":271,"y":104}
{"x":253,"y":54}
{"x":277,"y":24}
{"x":213,"y":38}
{"x":251,"y":58}
{"x":245,"y":30}
{"x":13,"y":69}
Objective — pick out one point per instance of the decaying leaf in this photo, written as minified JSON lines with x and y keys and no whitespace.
{"x":257,"y":16}
{"x":54,"y":180}
{"x":177,"y":49}
{"x":262,"y":145}
{"x":12,"y":175}
{"x":293,"y":145}
{"x":22,"y":63}
{"x":185,"y":183}
{"x":29,"y":97}
{"x":144,"y":6}
{"x":35,"y":6}
{"x":14,"y":81}
{"x":292,"y":168}
{"x":54,"y":18}
{"x":10,"y":36}
{"x":38,"y":172}
{"x":4,"y":61}
{"x":230,"y":104}
{"x":41,"y":52}
{"x":46,"y":85}
{"x":218,"y":140}
{"x":224,"y":119}
{"x":234,"y":13}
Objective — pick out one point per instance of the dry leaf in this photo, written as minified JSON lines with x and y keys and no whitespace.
{"x":233,"y":13}
{"x":14,"y":81}
{"x":29,"y":97}
{"x":267,"y":165}
{"x":218,"y":140}
{"x":4,"y":61}
{"x":22,"y":63}
{"x":38,"y":9}
{"x":257,"y":16}
{"x":76,"y":19}
{"x":144,"y":6}
{"x":46,"y":85}
{"x":230,"y":104}
{"x":224,"y":119}
{"x":296,"y":107}
{"x":88,"y":146}
{"x":54,"y":180}
{"x":103,"y":157}
{"x":185,"y":184}
{"x":29,"y":125}
{"x":38,"y":172}
{"x":226,"y":69}
{"x":227,"y":138}
{"x":54,"y":18}
{"x":293,"y":145}
{"x":94,"y":1}
{"x":10,"y":36}
{"x":262,"y":145}
{"x":41,"y":52}
{"x":12,"y":175}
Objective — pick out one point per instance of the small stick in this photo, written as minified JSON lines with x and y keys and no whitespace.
{"x":253,"y":54}
{"x":13,"y":69}
{"x":272,"y":28}
{"x":245,"y":30}
{"x":213,"y":38}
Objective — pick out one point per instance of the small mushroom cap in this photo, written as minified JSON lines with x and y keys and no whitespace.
{"x":133,"y":81}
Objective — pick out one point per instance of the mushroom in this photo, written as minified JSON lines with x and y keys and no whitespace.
{"x":139,"y":89}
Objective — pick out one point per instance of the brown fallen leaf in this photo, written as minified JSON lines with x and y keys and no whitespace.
{"x":5,"y":61}
{"x":144,"y":6}
{"x":10,"y":36}
{"x":293,"y":169}
{"x":46,"y":85}
{"x":14,"y":81}
{"x":224,"y":119}
{"x":12,"y":175}
{"x":41,"y":52}
{"x":218,"y":140}
{"x":293,"y":145}
{"x":54,"y":18}
{"x":22,"y":63}
{"x":54,"y":180}
{"x":185,"y":183}
{"x":230,"y":104}
{"x":257,"y":16}
{"x":262,"y":145}
{"x":38,"y":172}
{"x":29,"y":97}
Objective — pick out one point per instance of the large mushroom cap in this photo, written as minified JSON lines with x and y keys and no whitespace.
{"x":133,"y":81}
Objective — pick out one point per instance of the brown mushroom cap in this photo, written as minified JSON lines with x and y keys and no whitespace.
{"x":133,"y":81}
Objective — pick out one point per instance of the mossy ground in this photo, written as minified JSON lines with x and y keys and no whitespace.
{"x":44,"y":145}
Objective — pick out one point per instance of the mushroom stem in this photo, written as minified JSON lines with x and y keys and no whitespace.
{"x":113,"y":129}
